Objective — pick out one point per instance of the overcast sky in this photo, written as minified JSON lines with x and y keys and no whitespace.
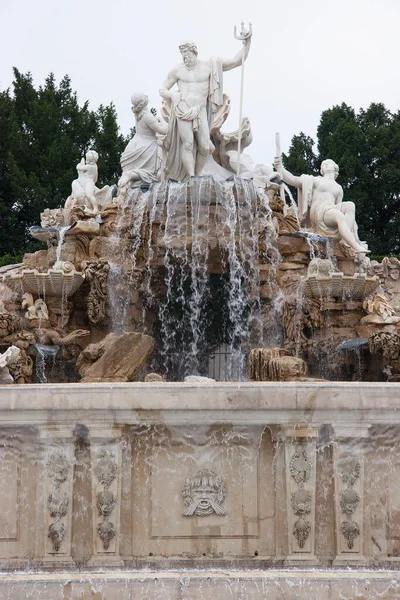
{"x":306,"y":55}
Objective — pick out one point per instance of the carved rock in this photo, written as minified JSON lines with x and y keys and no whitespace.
{"x":386,"y":343}
{"x":275,"y":364}
{"x":116,"y":358}
{"x":96,"y":272}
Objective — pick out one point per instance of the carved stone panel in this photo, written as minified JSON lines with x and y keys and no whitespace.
{"x":58,"y":471}
{"x":300,"y":450}
{"x":203,"y":491}
{"x":349,"y":478}
{"x":106,"y":493}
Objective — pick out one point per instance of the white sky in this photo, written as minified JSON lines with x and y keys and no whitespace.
{"x":306,"y":55}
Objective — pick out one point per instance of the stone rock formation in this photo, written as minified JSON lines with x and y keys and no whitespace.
{"x":275,"y":364}
{"x":115,"y":358}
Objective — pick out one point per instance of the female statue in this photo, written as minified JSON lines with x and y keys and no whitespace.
{"x":321,"y":199}
{"x":141,"y":159}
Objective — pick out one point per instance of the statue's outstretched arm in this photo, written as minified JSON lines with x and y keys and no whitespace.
{"x":286,"y":175}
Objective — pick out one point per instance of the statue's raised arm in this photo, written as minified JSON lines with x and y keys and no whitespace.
{"x":287,"y":177}
{"x":245,"y":37}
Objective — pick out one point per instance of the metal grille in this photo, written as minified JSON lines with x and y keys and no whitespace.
{"x":225,"y":365}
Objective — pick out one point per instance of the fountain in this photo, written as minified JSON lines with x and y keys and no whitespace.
{"x":220,"y":418}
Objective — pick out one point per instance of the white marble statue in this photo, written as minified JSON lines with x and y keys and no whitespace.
{"x":141,"y":159}
{"x":320,"y":201}
{"x":9,"y":358}
{"x":263,"y":176}
{"x":193,"y":107}
{"x":84,"y":190}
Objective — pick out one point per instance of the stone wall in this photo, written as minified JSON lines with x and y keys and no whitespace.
{"x":250,"y":475}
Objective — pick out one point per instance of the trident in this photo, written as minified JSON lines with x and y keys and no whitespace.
{"x":243,"y":36}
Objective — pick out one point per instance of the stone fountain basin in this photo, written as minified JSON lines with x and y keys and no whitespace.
{"x":54,"y":282}
{"x":337,"y":285}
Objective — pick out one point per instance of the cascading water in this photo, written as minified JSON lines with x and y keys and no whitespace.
{"x":201,"y":238}
{"x":44,"y":352}
{"x":235,"y":215}
{"x":61,"y":237}
{"x":200,"y":196}
{"x":128,"y":227}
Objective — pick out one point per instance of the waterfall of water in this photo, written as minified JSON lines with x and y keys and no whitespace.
{"x":126,"y":241}
{"x":158,"y":197}
{"x":273,"y":258}
{"x":198,"y":215}
{"x":44,"y":351}
{"x":173,"y":312}
{"x":200,"y":197}
{"x":238,"y":244}
{"x":61,"y":236}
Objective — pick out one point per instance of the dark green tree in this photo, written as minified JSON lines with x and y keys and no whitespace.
{"x":109,"y":144}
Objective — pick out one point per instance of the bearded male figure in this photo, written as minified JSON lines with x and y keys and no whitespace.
{"x":193,"y":106}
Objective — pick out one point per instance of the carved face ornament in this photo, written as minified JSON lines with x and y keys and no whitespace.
{"x":203,"y":494}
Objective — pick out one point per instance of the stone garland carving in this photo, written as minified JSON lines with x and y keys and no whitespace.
{"x":300,"y":468}
{"x":106,"y":472}
{"x":203,"y":494}
{"x":96,"y":273}
{"x":57,"y":468}
{"x":349,"y":500}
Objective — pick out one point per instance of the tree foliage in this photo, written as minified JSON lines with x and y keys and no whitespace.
{"x":44,"y":133}
{"x":366,"y":146}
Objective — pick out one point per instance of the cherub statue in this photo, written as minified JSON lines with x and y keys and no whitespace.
{"x":84,"y":190}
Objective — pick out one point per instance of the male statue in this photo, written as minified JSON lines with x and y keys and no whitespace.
{"x":193,"y":106}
